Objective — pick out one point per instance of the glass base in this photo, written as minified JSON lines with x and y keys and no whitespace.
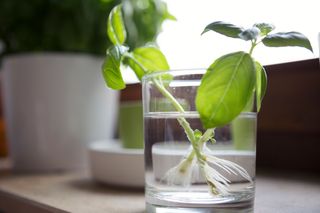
{"x":198,"y":200}
{"x":243,"y":208}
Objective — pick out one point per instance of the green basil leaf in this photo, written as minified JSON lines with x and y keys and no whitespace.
{"x":225,"y":89}
{"x":261,"y":84}
{"x":111,"y":67}
{"x":144,"y":60}
{"x":224,"y":28}
{"x":264,"y":28}
{"x":136,"y":66}
{"x":116,"y":28}
{"x":250,"y":104}
{"x":250,"y":34}
{"x":285,"y":39}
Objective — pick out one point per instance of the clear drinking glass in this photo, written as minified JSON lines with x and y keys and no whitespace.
{"x":176,"y":180}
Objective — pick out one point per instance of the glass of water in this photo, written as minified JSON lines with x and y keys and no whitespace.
{"x":189,"y":168}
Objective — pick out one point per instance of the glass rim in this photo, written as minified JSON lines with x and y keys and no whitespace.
{"x":175,"y":72}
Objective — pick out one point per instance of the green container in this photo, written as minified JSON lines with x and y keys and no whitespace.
{"x":243,"y":130}
{"x":131,"y":125}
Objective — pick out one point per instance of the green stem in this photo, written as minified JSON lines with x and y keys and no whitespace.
{"x":168,"y":95}
{"x":196,"y":144}
{"x":182,"y":121}
{"x":206,"y":136}
{"x":253,"y":45}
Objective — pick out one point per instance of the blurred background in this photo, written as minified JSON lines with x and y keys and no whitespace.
{"x":54,"y":97}
{"x":79,"y":27}
{"x":74,"y":26}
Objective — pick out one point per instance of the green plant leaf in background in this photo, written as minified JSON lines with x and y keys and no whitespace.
{"x":261,"y":84}
{"x":285,"y":39}
{"x":265,"y":28}
{"x":111,"y":67}
{"x":55,"y":26}
{"x":225,"y":89}
{"x":116,"y":29}
{"x":144,"y":60}
{"x":141,"y":60}
{"x":143,"y":20}
{"x":75,"y":26}
{"x":224,"y":28}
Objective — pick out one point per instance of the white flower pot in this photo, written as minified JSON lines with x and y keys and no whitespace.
{"x":54,"y":105}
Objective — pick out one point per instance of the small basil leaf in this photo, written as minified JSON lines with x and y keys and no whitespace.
{"x":224,"y":28}
{"x":225,"y":89}
{"x":261,"y":84}
{"x":285,"y":39}
{"x":116,"y":29}
{"x":197,"y":134}
{"x":111,"y":67}
{"x":264,"y":28}
{"x":250,"y":34}
{"x":144,"y":60}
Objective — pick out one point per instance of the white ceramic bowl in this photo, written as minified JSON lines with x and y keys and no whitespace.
{"x":112,"y":164}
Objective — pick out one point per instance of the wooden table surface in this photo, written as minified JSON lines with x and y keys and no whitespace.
{"x":76,"y":192}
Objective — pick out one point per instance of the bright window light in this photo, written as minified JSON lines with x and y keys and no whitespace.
{"x":185,"y":48}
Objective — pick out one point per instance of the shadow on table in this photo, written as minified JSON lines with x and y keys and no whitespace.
{"x":289,"y":175}
{"x":97,"y":187}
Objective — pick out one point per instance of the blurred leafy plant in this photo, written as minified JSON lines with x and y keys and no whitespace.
{"x":74,"y":25}
{"x":143,"y":20}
